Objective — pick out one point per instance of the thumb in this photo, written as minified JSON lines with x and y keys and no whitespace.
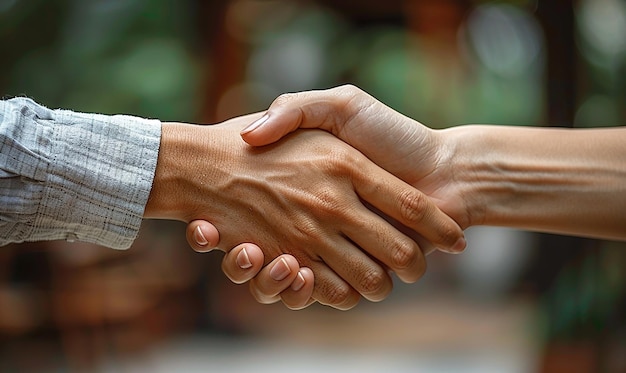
{"x":272,"y":126}
{"x":326,"y":109}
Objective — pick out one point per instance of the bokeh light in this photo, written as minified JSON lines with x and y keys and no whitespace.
{"x":513,"y":302}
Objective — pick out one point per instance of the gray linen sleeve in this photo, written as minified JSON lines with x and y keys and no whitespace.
{"x":73,"y":176}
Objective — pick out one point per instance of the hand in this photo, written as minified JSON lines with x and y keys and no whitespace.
{"x":400,"y":145}
{"x":303,"y":197}
{"x":556,"y":180}
{"x":282,"y":279}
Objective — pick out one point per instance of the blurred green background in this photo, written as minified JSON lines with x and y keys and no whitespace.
{"x":513,"y":302}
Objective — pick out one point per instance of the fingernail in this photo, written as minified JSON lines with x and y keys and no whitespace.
{"x":255,"y":124}
{"x":243,"y":260}
{"x":280,"y":271}
{"x":298,"y":282}
{"x":199,"y":237}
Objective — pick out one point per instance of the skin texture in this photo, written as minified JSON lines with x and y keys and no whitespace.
{"x":301,"y":196}
{"x":544,"y":179}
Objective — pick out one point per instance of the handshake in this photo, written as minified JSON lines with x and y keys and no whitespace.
{"x":327,"y":193}
{"x":330,"y":191}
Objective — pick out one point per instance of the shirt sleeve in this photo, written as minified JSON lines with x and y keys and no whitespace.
{"x":73,"y":176}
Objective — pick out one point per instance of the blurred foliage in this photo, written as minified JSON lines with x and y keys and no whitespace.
{"x":109,"y":56}
{"x":439,"y":83}
{"x":140,"y":57}
{"x":588,"y":298}
{"x":601,"y":26}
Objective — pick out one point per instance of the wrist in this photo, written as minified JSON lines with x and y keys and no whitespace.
{"x":464,"y":148}
{"x":167,"y":196}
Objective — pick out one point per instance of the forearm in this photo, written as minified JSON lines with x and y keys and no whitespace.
{"x":555,"y":180}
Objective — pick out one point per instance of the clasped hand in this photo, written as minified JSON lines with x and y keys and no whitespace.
{"x":311,"y":196}
{"x":544,"y":179}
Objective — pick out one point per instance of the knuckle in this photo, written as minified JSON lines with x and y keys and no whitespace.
{"x":343,"y":161}
{"x":350,"y":102}
{"x":413,"y":207}
{"x":374,"y":282}
{"x":340,"y":296}
{"x":329,"y":202}
{"x":350,"y":89}
{"x":284,"y":99}
{"x":450,"y":236}
{"x":404,"y":255}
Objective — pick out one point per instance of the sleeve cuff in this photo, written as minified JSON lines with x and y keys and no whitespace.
{"x":100,"y":177}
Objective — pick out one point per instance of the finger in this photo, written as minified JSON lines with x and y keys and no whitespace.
{"x":299,"y":294}
{"x":243,"y":262}
{"x":381,"y":240}
{"x":408,"y":206}
{"x":277,"y":276}
{"x":202,"y":236}
{"x":313,"y":109}
{"x":358,"y":269}
{"x":425,"y":246}
{"x":331,"y":289}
